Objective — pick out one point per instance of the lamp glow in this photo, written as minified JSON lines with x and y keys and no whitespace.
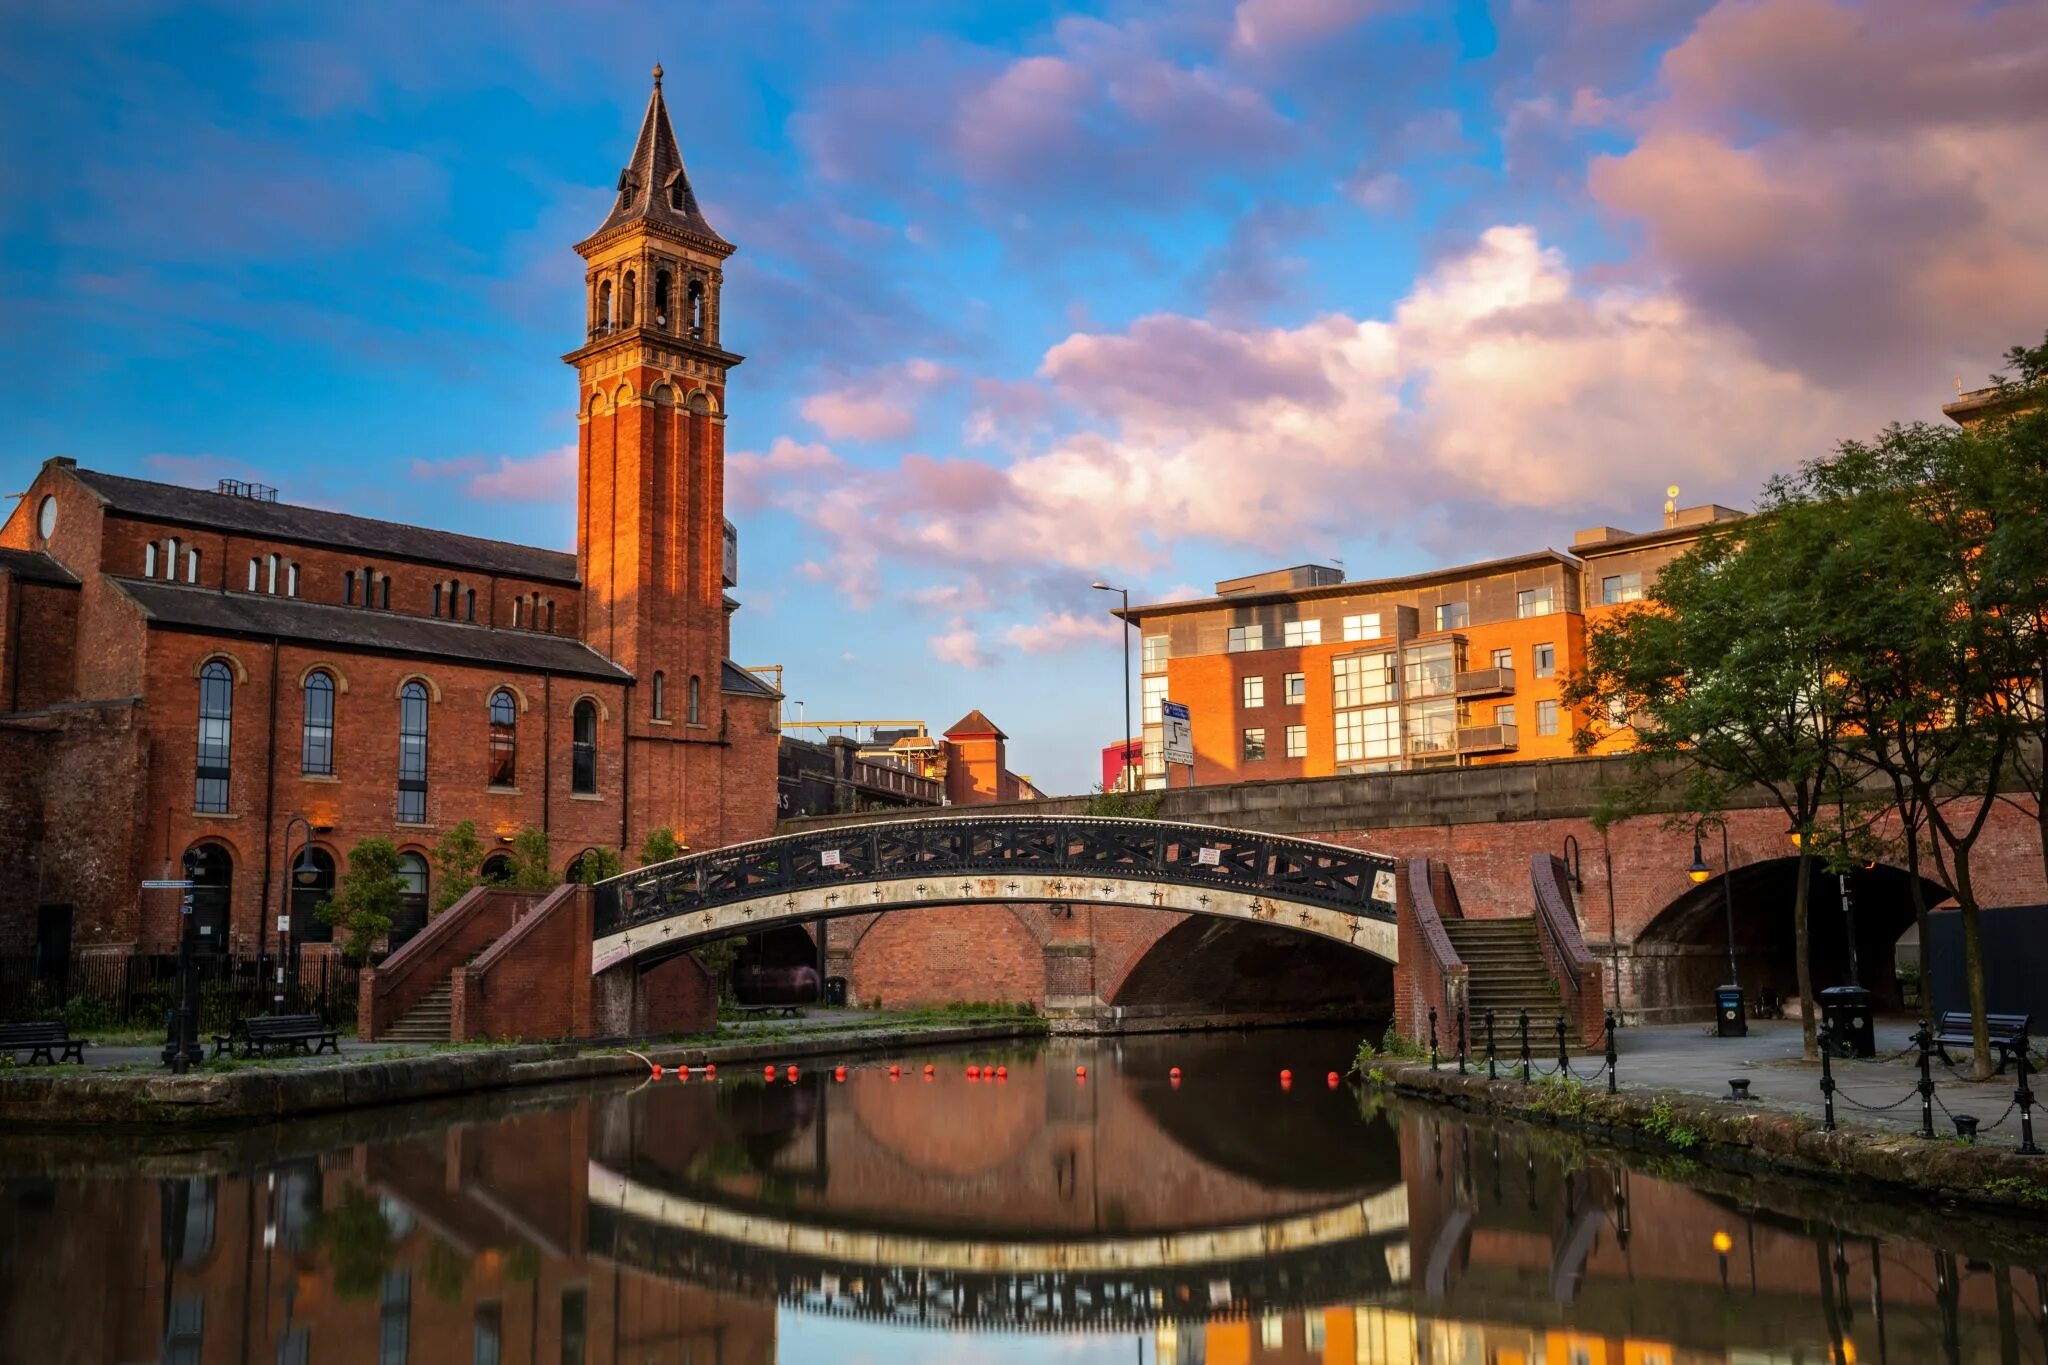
{"x":1699,"y":871}
{"x":1723,"y":1243}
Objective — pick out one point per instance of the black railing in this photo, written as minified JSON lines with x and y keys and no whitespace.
{"x":1297,"y":870}
{"x":138,"y":990}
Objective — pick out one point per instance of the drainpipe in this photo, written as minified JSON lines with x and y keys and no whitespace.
{"x":269,"y":813}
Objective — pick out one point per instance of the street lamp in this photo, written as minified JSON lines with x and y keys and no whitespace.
{"x":1124,"y":593}
{"x":1700,"y":872}
{"x":305,"y":874}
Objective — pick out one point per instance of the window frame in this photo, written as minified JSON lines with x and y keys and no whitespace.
{"x":502,"y":710}
{"x":1547,"y":717}
{"x":1538,"y":666}
{"x":1245,"y":639}
{"x":316,"y":735}
{"x":583,"y":748}
{"x":1294,"y":741}
{"x":1252,"y":742}
{"x":1251,"y":692}
{"x":216,"y":739}
{"x":415,"y":727}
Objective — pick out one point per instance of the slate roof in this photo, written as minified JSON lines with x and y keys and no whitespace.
{"x":737,"y":682}
{"x":36,"y":567}
{"x":974,"y":723}
{"x":315,"y":526}
{"x":190,"y":607}
{"x":654,"y":187}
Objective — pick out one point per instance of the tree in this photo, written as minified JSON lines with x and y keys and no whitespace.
{"x":661,"y":845}
{"x":531,"y":868}
{"x":596,"y":864}
{"x":456,"y":860}
{"x":1723,"y":669}
{"x":369,"y":897}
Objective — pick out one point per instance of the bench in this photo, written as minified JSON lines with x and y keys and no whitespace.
{"x":766,"y":1011}
{"x":2008,"y":1034}
{"x":43,"y":1041}
{"x":259,"y":1032}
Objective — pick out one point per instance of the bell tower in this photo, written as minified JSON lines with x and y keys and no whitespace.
{"x":651,"y":535}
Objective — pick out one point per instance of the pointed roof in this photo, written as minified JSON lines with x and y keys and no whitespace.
{"x":974,"y":723}
{"x":654,"y":187}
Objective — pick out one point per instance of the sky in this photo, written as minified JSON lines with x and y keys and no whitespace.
{"x":1156,"y":292}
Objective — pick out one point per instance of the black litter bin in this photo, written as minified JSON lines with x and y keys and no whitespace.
{"x":1851,"y":1030}
{"x":835,"y":990}
{"x":1731,"y":1020}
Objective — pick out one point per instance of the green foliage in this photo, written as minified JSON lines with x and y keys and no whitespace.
{"x":456,"y":860}
{"x":1392,"y":1043}
{"x":1663,"y":1124}
{"x":660,"y":846}
{"x":1122,"y":805}
{"x":717,"y":957}
{"x":522,"y":1263}
{"x":532,"y":869}
{"x":596,"y":864}
{"x":357,"y":1241}
{"x":369,"y":897}
{"x":2030,"y":361}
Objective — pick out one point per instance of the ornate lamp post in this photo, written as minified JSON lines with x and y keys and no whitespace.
{"x":305,"y":874}
{"x":1730,"y":996}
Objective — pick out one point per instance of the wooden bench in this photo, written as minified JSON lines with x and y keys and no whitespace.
{"x":43,"y":1041}
{"x":2008,"y":1033}
{"x":259,"y":1032}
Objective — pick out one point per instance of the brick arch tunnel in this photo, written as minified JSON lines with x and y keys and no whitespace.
{"x":1241,"y":971}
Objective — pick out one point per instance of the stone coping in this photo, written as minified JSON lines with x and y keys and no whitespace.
{"x":1748,"y":1139}
{"x":68,"y":1102}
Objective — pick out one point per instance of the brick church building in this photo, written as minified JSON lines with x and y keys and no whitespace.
{"x":211,"y":679}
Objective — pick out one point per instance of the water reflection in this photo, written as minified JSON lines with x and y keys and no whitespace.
{"x":1036,"y":1217}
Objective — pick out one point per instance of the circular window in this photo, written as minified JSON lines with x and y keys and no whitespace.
{"x":46,"y":517}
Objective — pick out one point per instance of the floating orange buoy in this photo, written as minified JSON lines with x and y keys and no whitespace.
{"x":1333,"y":1080}
{"x":790,"y":1074}
{"x":683,"y":1071}
{"x":769,"y":1071}
{"x":1081,"y":1071}
{"x":973,"y":1072}
{"x":838,"y":1073}
{"x":1002,"y":1073}
{"x":1173,"y":1081}
{"x":1285,"y":1075}
{"x":657,"y":1068}
{"x":711,"y":1068}
{"x":929,"y":1068}
{"x":895,"y":1070}
{"x":1174,"y":1074}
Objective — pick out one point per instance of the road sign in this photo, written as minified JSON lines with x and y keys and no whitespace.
{"x":1177,"y":744}
{"x":165,"y":886}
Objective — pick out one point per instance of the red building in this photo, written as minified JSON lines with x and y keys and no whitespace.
{"x":187,"y":673}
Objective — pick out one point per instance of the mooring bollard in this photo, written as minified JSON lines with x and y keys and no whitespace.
{"x":1432,"y":1037}
{"x":1564,"y":1059}
{"x":1464,"y":1042}
{"x":1525,"y":1047}
{"x":1611,"y":1086}
{"x":1827,"y":1078}
{"x":1491,"y":1074}
{"x":1926,"y":1086}
{"x":2024,"y":1098}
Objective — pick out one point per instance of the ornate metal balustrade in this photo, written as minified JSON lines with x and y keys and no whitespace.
{"x":1093,"y":850}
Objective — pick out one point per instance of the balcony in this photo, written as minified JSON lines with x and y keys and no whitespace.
{"x":1486,"y":682}
{"x":1487,"y":739}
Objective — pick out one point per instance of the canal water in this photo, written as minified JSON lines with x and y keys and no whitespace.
{"x":1037,"y":1215}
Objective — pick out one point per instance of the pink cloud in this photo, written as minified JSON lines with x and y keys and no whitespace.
{"x":547,"y":477}
{"x":960,"y":645}
{"x":1277,"y":25}
{"x":752,"y":476}
{"x":880,"y":406}
{"x":1057,"y":632}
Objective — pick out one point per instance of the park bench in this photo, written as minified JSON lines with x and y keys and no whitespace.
{"x":2008,"y":1034}
{"x":257,"y":1033}
{"x":43,"y":1041}
{"x":767,"y":1011}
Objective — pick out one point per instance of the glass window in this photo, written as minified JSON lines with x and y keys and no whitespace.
{"x":191,"y":566}
{"x":1154,"y":692}
{"x":1155,"y":653}
{"x":291,"y":580}
{"x":348,"y":595}
{"x":270,"y":574}
{"x":1545,"y":659}
{"x":583,"y":748}
{"x":1302,"y":633}
{"x":312,"y":886}
{"x":1546,"y":717}
{"x":1618,"y":588}
{"x":1363,"y":678}
{"x":1503,"y":658}
{"x":216,"y":727}
{"x":1254,"y":692}
{"x":660,"y":695}
{"x":316,"y":740}
{"x":1272,"y":1330}
{"x":1535,"y":602}
{"x":1297,"y":741}
{"x":1433,"y":727}
{"x":412,"y":754}
{"x":1431,"y":670}
{"x":696,"y":694}
{"x":255,"y":574}
{"x":504,"y":768}
{"x":1296,"y":685}
{"x":1371,"y":733}
{"x":149,"y":560}
{"x":1155,"y":758}
{"x":1453,"y":616}
{"x":574,"y":1308}
{"x":1364,"y":626}
{"x":1254,"y":744}
{"x":1504,"y":715}
{"x":1246,"y":638}
{"x":412,"y":899}
{"x":394,"y":1318}
{"x":1617,"y":712}
{"x":484,"y":1343}
{"x":46,"y":517}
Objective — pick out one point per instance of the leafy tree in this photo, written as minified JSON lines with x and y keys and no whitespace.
{"x":661,"y":845}
{"x":716,"y":958}
{"x":1123,"y":805}
{"x":369,"y":898}
{"x":596,"y":864}
{"x":531,"y":868}
{"x":1723,"y":669}
{"x":456,"y":860}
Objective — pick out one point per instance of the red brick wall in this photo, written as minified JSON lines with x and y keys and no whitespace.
{"x":947,"y":953}
{"x":38,"y":644}
{"x":675,"y":996}
{"x":534,"y":982}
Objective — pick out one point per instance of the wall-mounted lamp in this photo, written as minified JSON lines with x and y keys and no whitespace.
{"x":1571,"y":862}
{"x":1061,"y":911}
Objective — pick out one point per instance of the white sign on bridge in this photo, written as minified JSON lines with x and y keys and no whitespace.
{"x":1177,"y":743}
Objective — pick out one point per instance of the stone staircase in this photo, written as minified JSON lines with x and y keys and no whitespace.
{"x":1508,"y":974}
{"x":426,"y":1022}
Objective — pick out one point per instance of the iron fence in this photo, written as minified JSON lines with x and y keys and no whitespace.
{"x":138,"y":990}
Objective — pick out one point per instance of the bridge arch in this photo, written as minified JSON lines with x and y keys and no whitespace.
{"x":1342,"y":894}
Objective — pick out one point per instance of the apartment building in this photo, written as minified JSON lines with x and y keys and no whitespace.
{"x":1299,"y":673}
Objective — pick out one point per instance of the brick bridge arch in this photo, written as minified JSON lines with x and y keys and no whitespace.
{"x":1328,"y":891}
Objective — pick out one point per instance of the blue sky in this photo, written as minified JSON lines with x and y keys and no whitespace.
{"x":1031,"y":294}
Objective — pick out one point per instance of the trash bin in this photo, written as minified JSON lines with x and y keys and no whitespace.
{"x":1731,"y":1019}
{"x":835,"y":990}
{"x":1851,"y":1031}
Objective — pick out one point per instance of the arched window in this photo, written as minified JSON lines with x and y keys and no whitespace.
{"x":412,"y":899}
{"x":348,"y":594}
{"x":496,"y":871}
{"x":291,"y":580}
{"x":518,"y":612}
{"x":216,"y":725}
{"x":191,"y":566}
{"x":604,"y":306}
{"x":171,"y":559}
{"x":696,"y":308}
{"x":412,"y":754}
{"x":316,"y":743}
{"x":695,"y":692}
{"x":437,"y":599}
{"x":583,"y":748}
{"x":627,"y":296}
{"x":211,"y":870}
{"x":149,"y":560}
{"x":255,"y":574}
{"x":384,"y":592}
{"x":469,"y":604}
{"x":662,"y":300}
{"x":270,"y":563}
{"x":312,"y":883}
{"x":504,"y":739}
{"x":551,"y":616}
{"x":660,"y":695}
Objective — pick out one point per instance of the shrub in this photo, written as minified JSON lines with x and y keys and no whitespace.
{"x":369,"y":898}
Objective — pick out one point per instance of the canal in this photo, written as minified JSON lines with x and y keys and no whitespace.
{"x":1031,"y":1215}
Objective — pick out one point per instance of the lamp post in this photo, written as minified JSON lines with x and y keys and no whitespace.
{"x":1124,"y":593}
{"x":304,"y":873}
{"x":1699,"y":872}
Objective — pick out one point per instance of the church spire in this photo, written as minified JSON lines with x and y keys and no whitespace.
{"x":654,"y":188}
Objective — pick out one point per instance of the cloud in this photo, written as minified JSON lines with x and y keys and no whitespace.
{"x":881,"y":406}
{"x":752,"y":477}
{"x":960,"y":645}
{"x":1277,"y":25}
{"x":1057,"y":632}
{"x":547,"y":477}
{"x":1857,"y":187}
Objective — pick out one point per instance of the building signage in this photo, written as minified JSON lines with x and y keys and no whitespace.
{"x":829,"y":858}
{"x":1177,"y":743}
{"x":164,"y":886}
{"x":1208,"y":857}
{"x":1383,"y":887}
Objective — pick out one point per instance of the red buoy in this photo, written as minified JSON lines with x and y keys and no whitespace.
{"x":711,"y":1068}
{"x":683,"y":1071}
{"x":769,"y":1071}
{"x":1174,"y":1074}
{"x":1286,"y":1075}
{"x":838,"y":1073}
{"x":1002,"y":1073}
{"x":895,"y":1070}
{"x":1333,"y":1080}
{"x":1081,"y":1071}
{"x":929,"y":1069}
{"x":657,"y":1068}
{"x":973,"y":1072}
{"x":790,"y":1074}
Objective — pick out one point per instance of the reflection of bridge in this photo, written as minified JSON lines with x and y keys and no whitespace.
{"x":1345,"y":1253}
{"x":1326,"y":890}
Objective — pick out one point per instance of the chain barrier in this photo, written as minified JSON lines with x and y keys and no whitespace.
{"x":1968,"y":1126}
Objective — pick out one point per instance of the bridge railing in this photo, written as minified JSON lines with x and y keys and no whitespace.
{"x":1086,"y":847}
